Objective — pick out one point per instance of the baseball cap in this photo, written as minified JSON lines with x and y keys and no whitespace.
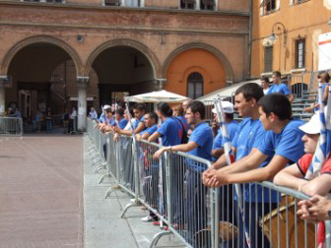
{"x":226,"y":106}
{"x":313,"y":126}
{"x":106,"y":107}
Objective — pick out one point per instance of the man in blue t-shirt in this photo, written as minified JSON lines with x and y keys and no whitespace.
{"x":279,"y":87}
{"x":199,"y":144}
{"x":139,"y":110}
{"x":150,"y":120}
{"x":119,"y":118}
{"x":282,"y":142}
{"x":231,"y":126}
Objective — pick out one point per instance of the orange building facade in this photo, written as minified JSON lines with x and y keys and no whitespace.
{"x":294,"y":46}
{"x":87,"y":53}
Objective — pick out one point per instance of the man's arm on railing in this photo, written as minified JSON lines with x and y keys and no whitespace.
{"x":290,"y":177}
{"x":318,"y":186}
{"x":179,"y":148}
{"x":154,"y":137}
{"x":256,"y":175}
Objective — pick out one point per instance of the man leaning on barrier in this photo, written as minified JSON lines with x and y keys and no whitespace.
{"x":299,"y":176}
{"x":199,"y":144}
{"x":282,"y":142}
{"x":293,"y":176}
{"x":249,"y":136}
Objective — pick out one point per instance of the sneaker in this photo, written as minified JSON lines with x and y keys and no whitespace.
{"x":147,"y":218}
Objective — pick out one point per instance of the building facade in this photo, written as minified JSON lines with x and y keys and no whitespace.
{"x":87,"y":53}
{"x":285,"y":36}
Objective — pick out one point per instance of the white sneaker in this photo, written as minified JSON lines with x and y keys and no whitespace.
{"x":147,"y":218}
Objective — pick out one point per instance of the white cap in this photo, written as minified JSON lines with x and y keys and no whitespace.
{"x":106,"y":107}
{"x":313,"y":126}
{"x":226,"y":106}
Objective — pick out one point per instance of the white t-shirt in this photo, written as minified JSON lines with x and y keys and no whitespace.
{"x":128,"y":126}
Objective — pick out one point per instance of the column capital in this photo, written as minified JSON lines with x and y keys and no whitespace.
{"x":160,"y":82}
{"x":83,"y":82}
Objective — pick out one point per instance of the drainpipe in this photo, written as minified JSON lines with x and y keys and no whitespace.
{"x":250,"y":39}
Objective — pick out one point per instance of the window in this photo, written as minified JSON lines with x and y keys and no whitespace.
{"x":268,"y":6}
{"x":268,"y":53}
{"x":187,"y":4}
{"x":294,"y":2}
{"x":207,"y":4}
{"x":300,"y":46}
{"x":194,"y":85}
{"x":45,"y":1}
{"x":112,"y":2}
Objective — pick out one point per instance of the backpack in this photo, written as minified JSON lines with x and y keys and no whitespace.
{"x":184,"y":138}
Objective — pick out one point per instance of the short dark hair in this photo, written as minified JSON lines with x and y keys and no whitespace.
{"x":325,"y":75}
{"x":164,"y":109}
{"x":277,"y":73}
{"x":154,"y":116}
{"x":197,"y":106}
{"x":278,"y":104}
{"x":229,"y":116}
{"x":140,"y":107}
{"x":121,"y":105}
{"x":265,"y":79}
{"x":250,"y":90}
{"x":120,"y":111}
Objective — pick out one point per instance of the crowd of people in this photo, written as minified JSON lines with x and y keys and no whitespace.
{"x":268,"y":145}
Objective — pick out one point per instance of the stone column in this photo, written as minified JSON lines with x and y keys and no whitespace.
{"x":197,"y":4}
{"x":82,"y":83}
{"x":2,"y":95}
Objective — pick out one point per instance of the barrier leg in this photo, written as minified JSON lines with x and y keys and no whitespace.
{"x":136,"y":203}
{"x":103,"y":177}
{"x":158,"y":236}
{"x":111,"y":190}
{"x":102,"y":166}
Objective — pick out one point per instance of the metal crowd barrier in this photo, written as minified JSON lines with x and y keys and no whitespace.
{"x":11,"y":126}
{"x":171,"y":187}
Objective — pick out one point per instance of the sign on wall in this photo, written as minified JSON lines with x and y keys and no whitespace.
{"x":324,"y":48}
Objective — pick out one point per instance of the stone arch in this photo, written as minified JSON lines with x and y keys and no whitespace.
{"x":41,"y":39}
{"x":129,"y":43}
{"x":223,"y":59}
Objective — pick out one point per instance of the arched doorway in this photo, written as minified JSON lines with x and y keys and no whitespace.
{"x":33,"y":85}
{"x":122,"y":70}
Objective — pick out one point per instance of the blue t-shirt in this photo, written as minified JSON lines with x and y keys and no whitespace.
{"x":250,"y":134}
{"x":136,"y":123}
{"x":287,"y":144}
{"x":232,"y":128}
{"x":183,"y":121}
{"x":203,"y":136}
{"x":102,"y":117}
{"x":150,"y":130}
{"x":171,"y":132}
{"x":279,"y":88}
{"x":122,"y":123}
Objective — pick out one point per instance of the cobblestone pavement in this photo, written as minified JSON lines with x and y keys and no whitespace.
{"x":41,"y":182}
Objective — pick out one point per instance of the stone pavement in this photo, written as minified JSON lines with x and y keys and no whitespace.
{"x":46,"y":201}
{"x":41,"y":191}
{"x":103,"y":226}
